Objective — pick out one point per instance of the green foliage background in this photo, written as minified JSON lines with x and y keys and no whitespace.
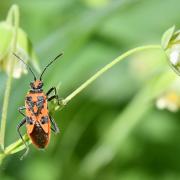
{"x":91,"y":33}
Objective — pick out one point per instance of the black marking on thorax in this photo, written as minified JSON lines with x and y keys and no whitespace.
{"x":30,"y":103}
{"x":39,"y":103}
{"x":36,"y":91}
{"x":44,"y":119}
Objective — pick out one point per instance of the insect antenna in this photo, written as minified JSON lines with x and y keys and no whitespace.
{"x":49,"y":65}
{"x":26,"y":65}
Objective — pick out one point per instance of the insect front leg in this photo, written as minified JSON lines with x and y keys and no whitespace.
{"x":55,"y":96}
{"x":18,"y":130}
{"x":50,"y":90}
{"x":20,"y":109}
{"x":54,"y":127}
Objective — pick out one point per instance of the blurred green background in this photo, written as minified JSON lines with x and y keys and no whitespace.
{"x":91,"y":33}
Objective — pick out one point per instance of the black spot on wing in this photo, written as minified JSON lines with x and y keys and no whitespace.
{"x":44,"y":119}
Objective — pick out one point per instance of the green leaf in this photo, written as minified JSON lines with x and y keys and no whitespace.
{"x":6,"y":37}
{"x":167,"y":37}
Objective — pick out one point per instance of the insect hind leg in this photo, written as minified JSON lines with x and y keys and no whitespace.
{"x":18,"y":130}
{"x":54,"y":127}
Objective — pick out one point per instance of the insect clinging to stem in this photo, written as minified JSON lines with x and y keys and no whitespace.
{"x":37,"y":119}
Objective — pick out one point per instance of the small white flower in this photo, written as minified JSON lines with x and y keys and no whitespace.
{"x":175,"y":54}
{"x":171,"y":45}
{"x":165,"y":103}
{"x":169,"y":100}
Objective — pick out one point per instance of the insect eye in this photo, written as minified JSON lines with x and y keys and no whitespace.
{"x":40,"y":84}
{"x":29,"y":98}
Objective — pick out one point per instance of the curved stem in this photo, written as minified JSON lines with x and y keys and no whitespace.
{"x":13,"y":18}
{"x":107,"y":67}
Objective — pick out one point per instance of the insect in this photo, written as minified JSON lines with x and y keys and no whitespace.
{"x":37,"y":119}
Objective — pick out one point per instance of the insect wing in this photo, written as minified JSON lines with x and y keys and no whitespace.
{"x":30,"y":128}
{"x":45,"y":124}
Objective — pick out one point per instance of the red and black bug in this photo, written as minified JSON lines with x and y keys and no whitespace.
{"x":36,"y":117}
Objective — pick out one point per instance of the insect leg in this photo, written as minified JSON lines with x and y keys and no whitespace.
{"x":54,"y":127}
{"x":50,"y":90}
{"x":55,"y":96}
{"x":18,"y":130}
{"x":20,"y":110}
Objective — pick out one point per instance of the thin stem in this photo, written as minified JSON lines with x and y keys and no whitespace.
{"x":13,"y":18}
{"x":107,"y":67}
{"x":15,"y":145}
{"x":14,"y":148}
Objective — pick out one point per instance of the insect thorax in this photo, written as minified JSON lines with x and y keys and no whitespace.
{"x":35,"y":103}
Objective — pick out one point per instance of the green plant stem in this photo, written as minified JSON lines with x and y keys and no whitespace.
{"x":107,"y":67}
{"x":13,"y":148}
{"x":13,"y":18}
{"x":18,"y":144}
